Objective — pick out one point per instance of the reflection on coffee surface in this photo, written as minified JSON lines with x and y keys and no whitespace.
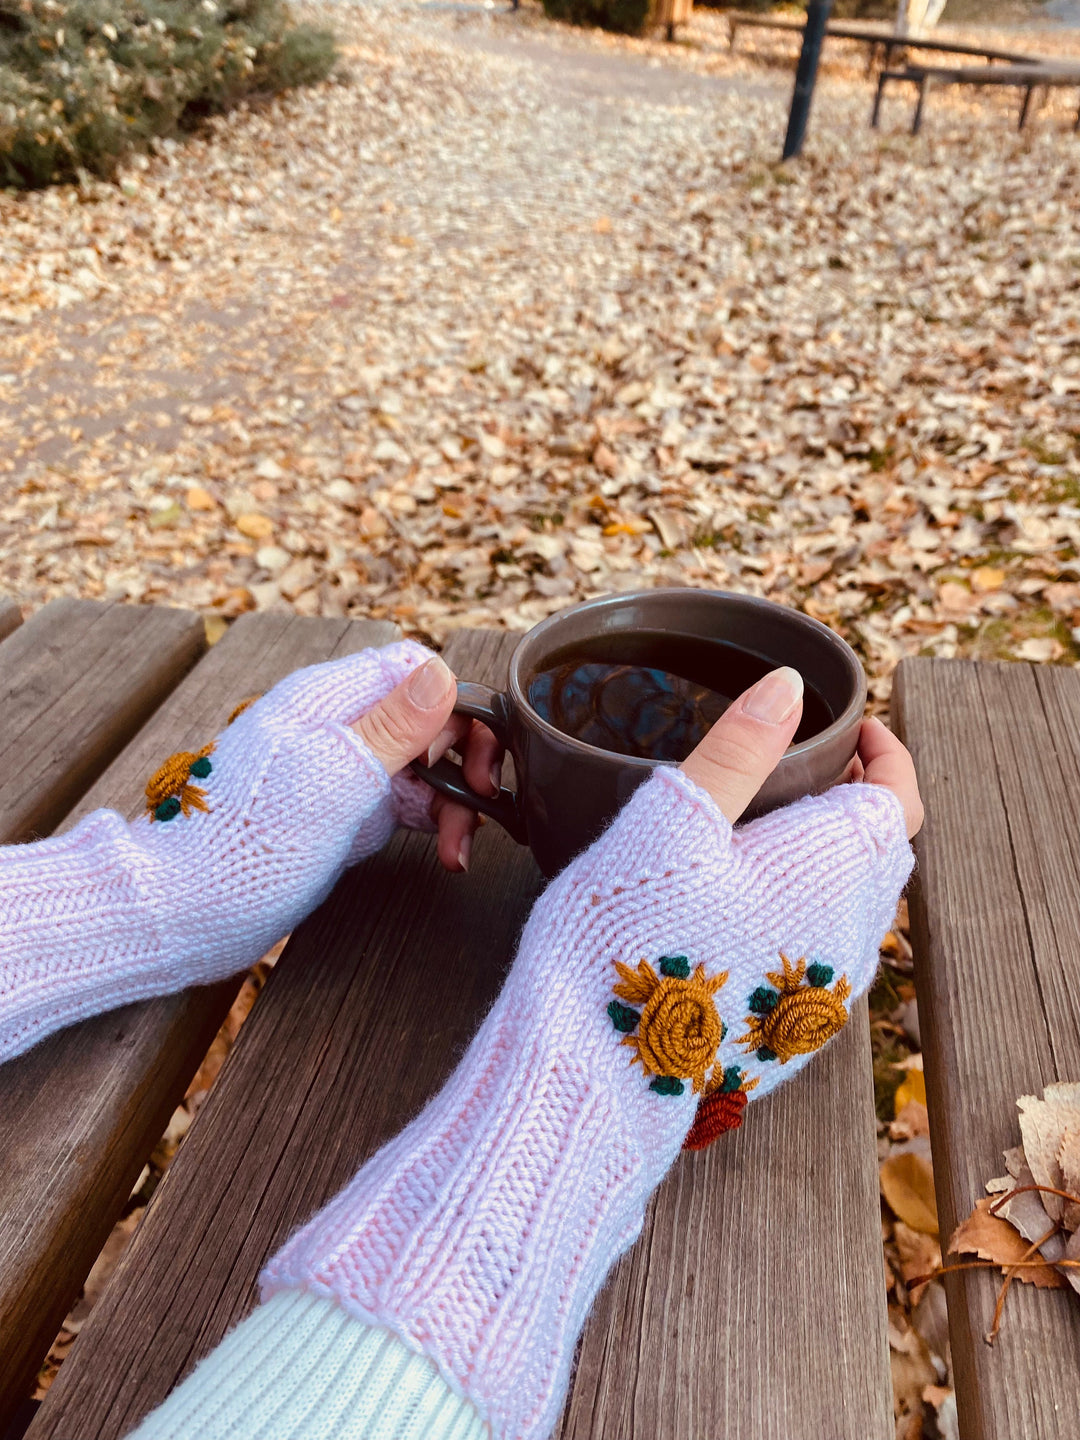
{"x":653,"y":696}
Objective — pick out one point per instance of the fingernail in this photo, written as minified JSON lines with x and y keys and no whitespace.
{"x":775,"y":696}
{"x":496,"y":779}
{"x":429,"y":684}
{"x":464,"y":852}
{"x":439,"y":746}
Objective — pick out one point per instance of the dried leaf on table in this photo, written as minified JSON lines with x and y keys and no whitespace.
{"x":1043,"y":1126}
{"x":990,"y":1238}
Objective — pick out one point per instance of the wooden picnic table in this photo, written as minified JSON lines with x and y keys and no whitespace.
{"x":995,"y":910}
{"x":753,"y":1305}
{"x":877,"y":37}
{"x":1028,"y":78}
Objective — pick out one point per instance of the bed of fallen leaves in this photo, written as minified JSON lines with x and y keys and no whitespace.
{"x":507,"y":315}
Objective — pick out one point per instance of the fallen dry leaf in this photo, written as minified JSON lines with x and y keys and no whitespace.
{"x":990,"y":1238}
{"x":912,"y":1087}
{"x":907,"y":1182}
{"x":1043,"y":1126}
{"x":255,"y":526}
{"x":919,"y":1256}
{"x":1068,"y":1159}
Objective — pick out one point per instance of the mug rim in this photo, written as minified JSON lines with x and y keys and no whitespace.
{"x":843,"y":722}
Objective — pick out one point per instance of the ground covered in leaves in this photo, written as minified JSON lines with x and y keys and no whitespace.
{"x":506,"y":316}
{"x":515,"y":315}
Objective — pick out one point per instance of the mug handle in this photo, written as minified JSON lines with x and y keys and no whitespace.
{"x":482,"y":703}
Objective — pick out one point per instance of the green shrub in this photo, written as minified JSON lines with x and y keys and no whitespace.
{"x":627,"y":16}
{"x":83,"y":84}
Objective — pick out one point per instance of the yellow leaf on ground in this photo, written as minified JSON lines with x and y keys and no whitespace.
{"x":215,"y":627}
{"x":986,"y":578}
{"x":993,"y":1239}
{"x":627,"y":527}
{"x":199,"y":499}
{"x":907,"y":1182}
{"x":912,"y":1087}
{"x":255,"y":526}
{"x":162,"y":519}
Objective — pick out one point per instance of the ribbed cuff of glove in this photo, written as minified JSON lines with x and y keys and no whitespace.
{"x":239,"y":843}
{"x":674,"y":965}
{"x":299,"y":1368}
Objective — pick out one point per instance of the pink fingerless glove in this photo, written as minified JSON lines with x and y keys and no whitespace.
{"x":239,"y":843}
{"x":673,"y":969}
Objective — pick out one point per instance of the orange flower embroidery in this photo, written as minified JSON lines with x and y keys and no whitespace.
{"x":679,"y":1030}
{"x":170,"y":792}
{"x":794,"y":1018}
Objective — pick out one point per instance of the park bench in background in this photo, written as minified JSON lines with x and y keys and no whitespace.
{"x":995,"y":911}
{"x":756,"y":1253}
{"x":1028,"y":78}
{"x":881,"y":42}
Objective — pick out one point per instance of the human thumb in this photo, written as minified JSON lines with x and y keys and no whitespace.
{"x":403,"y":725}
{"x":746,"y":744}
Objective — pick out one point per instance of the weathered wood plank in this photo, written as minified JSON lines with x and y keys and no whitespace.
{"x":76,"y":682}
{"x":996,"y":930}
{"x":10,"y":617}
{"x":81,"y":1112}
{"x":336,"y":1055}
{"x":754,"y":1250}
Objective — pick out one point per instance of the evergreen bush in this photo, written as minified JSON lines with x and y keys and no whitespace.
{"x":85,"y":83}
{"x":627,"y":16}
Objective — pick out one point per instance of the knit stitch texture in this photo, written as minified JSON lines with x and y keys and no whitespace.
{"x":481,"y":1234}
{"x":299,"y":1368}
{"x":113,"y":912}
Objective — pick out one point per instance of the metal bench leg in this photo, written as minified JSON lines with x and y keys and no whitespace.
{"x":916,"y":119}
{"x":877,"y":103}
{"x":733,"y":30}
{"x":1025,"y":107}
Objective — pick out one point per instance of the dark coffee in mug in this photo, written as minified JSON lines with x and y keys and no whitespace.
{"x":599,"y":695}
{"x":653,"y":695}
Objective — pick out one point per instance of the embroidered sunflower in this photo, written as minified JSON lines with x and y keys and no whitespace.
{"x":170,"y":791}
{"x":791,"y":1018}
{"x":678,"y":1030}
{"x":720,"y":1108}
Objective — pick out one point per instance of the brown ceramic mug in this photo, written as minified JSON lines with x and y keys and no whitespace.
{"x":568,"y":790}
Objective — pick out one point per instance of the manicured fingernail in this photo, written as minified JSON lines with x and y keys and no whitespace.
{"x":775,"y":696}
{"x":429,"y":684}
{"x":439,"y":746}
{"x":496,"y":779}
{"x":464,"y":852}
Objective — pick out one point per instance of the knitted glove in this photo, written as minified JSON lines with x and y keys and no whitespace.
{"x":239,"y":843}
{"x":673,"y":969}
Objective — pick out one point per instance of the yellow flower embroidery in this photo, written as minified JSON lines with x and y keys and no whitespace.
{"x":170,"y":791}
{"x":678,"y":1030}
{"x":794,"y":1018}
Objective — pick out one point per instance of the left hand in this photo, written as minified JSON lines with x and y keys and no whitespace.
{"x":416,"y":720}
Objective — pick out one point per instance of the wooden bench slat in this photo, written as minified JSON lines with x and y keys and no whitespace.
{"x":713,"y":1324}
{"x":996,"y":931}
{"x":76,"y":682}
{"x":753,"y":1251}
{"x":361,"y":1019}
{"x":81,"y":1112}
{"x":10,"y":617}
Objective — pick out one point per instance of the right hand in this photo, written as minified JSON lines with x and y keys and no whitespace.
{"x":747,"y":743}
